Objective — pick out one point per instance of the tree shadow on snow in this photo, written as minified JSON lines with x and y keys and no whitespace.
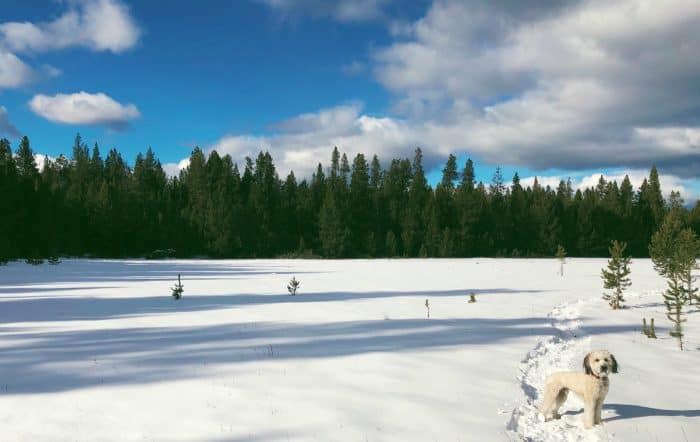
{"x":39,"y":362}
{"x":81,"y":308}
{"x":76,"y":271}
{"x":24,"y":289}
{"x":629,"y":411}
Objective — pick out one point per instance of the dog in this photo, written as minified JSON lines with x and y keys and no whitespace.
{"x":591,"y":386}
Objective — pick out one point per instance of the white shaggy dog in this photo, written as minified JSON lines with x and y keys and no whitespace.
{"x":592,"y":387}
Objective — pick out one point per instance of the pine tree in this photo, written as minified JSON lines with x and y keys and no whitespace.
{"x":616,"y":276}
{"x":449,"y":173}
{"x":331,"y":229}
{"x":674,"y":252}
{"x":293,"y":286}
{"x":391,"y":244}
{"x":178,"y":289}
{"x":561,"y":256}
{"x":675,"y":302}
{"x":468,"y":179}
{"x":663,"y":245}
{"x":687,"y":251}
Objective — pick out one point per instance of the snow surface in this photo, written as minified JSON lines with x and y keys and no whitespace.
{"x":98,"y":350}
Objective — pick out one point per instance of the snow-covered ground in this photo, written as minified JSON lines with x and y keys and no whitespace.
{"x":98,"y":350}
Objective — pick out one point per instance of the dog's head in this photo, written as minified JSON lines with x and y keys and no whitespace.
{"x":600,"y":363}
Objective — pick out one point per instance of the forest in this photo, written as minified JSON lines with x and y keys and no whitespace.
{"x":94,"y":206}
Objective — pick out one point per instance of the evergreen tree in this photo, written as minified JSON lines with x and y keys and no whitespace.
{"x":449,"y":173}
{"x":90,"y":205}
{"x":675,"y":302}
{"x":616,"y":276}
{"x":8,"y":201}
{"x":468,"y":179}
{"x":674,"y":251}
{"x":26,"y":164}
{"x":360,"y":205}
{"x":561,"y":256}
{"x":331,"y":228}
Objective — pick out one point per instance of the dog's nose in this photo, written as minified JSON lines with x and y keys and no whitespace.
{"x":604,"y":367}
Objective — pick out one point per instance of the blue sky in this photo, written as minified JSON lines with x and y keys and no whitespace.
{"x":556,"y":89}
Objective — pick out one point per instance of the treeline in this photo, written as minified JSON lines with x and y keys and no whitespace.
{"x":93,"y":206}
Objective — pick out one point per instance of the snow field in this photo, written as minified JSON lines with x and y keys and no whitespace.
{"x":98,"y":350}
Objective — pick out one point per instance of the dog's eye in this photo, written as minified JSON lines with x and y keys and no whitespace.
{"x":597,"y":360}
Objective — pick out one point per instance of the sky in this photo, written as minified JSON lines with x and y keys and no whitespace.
{"x":553,"y":89}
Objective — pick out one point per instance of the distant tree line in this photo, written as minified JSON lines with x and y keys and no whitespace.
{"x":90,"y":205}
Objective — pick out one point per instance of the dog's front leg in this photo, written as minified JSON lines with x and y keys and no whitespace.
{"x":597,"y":420}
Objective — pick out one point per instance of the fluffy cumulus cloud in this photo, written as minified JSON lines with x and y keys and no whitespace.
{"x":6,"y":126}
{"x":13,"y":71}
{"x":300,"y":143}
{"x":99,"y":25}
{"x":84,"y":108}
{"x":576,"y":84}
{"x":341,"y":10}
{"x":95,"y":24}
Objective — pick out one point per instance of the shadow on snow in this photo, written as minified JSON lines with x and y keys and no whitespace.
{"x":38,"y":362}
{"x":81,"y":308}
{"x":628,"y":411}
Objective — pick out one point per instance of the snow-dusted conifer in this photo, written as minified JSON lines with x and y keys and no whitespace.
{"x":178,"y":289}
{"x":616,"y":276}
{"x":293,"y":286}
{"x":561,"y":256}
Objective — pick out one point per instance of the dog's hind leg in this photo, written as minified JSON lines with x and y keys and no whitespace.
{"x":554,"y":397}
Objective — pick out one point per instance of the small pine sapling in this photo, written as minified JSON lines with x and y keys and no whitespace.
{"x":54,"y":260}
{"x":293,"y":286}
{"x":427,"y":307}
{"x":616,"y":276}
{"x":178,"y":289}
{"x":652,"y":330}
{"x":645,"y":329}
{"x":675,"y":300}
{"x":472,"y":298}
{"x":561,"y":256}
{"x":34,"y":261}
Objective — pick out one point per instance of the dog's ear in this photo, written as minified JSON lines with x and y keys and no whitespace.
{"x":614,"y":363}
{"x":587,"y":364}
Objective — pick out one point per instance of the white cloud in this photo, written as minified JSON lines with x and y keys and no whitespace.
{"x":40,"y":160}
{"x":574,"y":84}
{"x":668,"y":182}
{"x":99,"y":25}
{"x":13,"y":71}
{"x":340,"y":10}
{"x":95,"y":24}
{"x":354,"y":68}
{"x":6,"y":126}
{"x":578,"y":85}
{"x":173,"y":169}
{"x":302,"y":142}
{"x":84,"y":108}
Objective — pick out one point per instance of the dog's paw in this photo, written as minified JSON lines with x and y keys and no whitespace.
{"x":541,"y":417}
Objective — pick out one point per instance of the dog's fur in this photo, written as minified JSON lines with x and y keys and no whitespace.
{"x":591,"y":386}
